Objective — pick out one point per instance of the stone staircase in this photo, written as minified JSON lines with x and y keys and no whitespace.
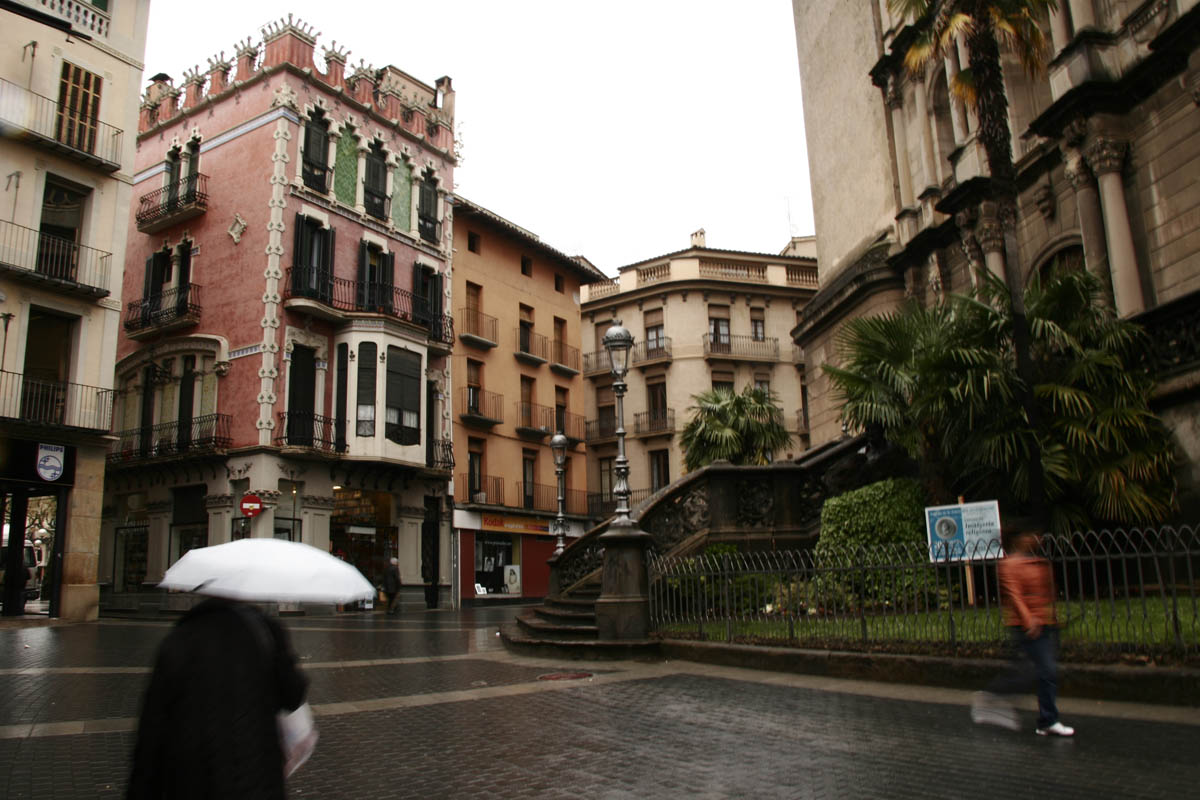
{"x":564,"y":625}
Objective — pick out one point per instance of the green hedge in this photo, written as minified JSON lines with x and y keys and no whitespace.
{"x":888,"y":512}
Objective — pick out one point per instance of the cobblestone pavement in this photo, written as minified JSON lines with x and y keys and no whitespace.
{"x":430,"y":705}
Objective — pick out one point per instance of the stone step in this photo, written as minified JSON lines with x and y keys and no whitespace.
{"x":567,"y":616}
{"x":555,"y":631}
{"x":522,"y":641}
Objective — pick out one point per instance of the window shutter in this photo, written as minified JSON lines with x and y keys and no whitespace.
{"x":327,"y":254}
{"x":361,"y":285}
{"x":387,"y":281}
{"x":316,"y":144}
{"x":435,"y":294}
{"x":428,"y":200}
{"x":652,"y":318}
{"x":147,"y":279}
{"x":299,"y":245}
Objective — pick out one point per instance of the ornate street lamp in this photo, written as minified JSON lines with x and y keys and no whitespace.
{"x":618,"y":341}
{"x":623,"y":608}
{"x":558,"y":446}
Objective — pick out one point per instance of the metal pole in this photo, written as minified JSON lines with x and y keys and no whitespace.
{"x":621,"y":465}
{"x":560,"y":521}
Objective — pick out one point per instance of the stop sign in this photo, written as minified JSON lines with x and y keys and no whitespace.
{"x":251,"y":505}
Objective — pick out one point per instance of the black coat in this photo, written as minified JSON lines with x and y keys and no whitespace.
{"x":391,"y":579}
{"x":208,"y":727}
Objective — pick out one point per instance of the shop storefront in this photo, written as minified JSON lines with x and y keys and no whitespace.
{"x":503,"y":557}
{"x":361,"y":531}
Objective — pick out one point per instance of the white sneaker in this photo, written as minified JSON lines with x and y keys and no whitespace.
{"x":1057,"y":729}
{"x":989,"y":709}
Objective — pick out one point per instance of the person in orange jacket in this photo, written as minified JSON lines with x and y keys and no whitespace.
{"x":1027,"y":593}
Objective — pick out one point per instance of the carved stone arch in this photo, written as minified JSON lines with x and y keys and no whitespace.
{"x":1067,"y":245}
{"x":318,"y":342}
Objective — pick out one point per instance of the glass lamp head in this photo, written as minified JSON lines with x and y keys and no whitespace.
{"x":618,"y":341}
{"x":558,"y":446}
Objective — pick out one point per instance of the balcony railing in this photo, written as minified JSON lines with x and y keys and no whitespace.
{"x":599,"y":429}
{"x":651,"y":351}
{"x":573,"y":426}
{"x":564,"y":357}
{"x":59,"y":128}
{"x":478,"y":328}
{"x":178,"y":201}
{"x":651,"y":422}
{"x":653,"y":274}
{"x":733,"y":271}
{"x":311,"y":431}
{"x":603,"y":288}
{"x":479,"y":406}
{"x":1173,"y":343}
{"x":175,"y":439}
{"x":55,"y":403}
{"x":440,"y":455}
{"x":741,"y":347}
{"x":532,"y":346}
{"x":596,"y":363}
{"x":802,"y":276}
{"x":538,"y":496}
{"x":487,"y":489}
{"x":83,"y":16}
{"x":41,"y":258}
{"x":344,"y":294}
{"x":171,"y":308}
{"x":603,"y":504}
{"x":534,"y":419}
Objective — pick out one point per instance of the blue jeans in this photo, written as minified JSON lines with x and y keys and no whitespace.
{"x":1035,"y":658}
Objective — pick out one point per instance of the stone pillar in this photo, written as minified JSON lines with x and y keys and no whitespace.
{"x":623,"y":608}
{"x":965,"y":220}
{"x":1106,"y":157}
{"x":958,"y":111}
{"x":990,"y":233}
{"x":928,"y":163}
{"x":79,"y":592}
{"x":1091,"y":220}
{"x":895,"y":100}
{"x":158,"y":530}
{"x":1060,"y":29}
{"x":1083,"y":14}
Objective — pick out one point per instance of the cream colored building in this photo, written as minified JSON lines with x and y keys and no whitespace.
{"x":700,"y":318}
{"x":69,"y":75}
{"x":1107,"y":147}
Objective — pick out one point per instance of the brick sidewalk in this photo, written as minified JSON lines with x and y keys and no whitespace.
{"x":428,"y":705}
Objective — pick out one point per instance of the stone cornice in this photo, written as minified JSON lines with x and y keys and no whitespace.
{"x":871,"y":273}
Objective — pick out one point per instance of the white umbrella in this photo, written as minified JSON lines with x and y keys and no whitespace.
{"x":268,"y":570}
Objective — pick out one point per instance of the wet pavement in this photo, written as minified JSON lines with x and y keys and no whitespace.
{"x":428,"y":704}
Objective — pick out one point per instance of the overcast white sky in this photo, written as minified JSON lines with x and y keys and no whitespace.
{"x":611,"y":130}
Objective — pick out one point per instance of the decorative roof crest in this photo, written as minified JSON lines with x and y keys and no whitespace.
{"x":335,"y":53}
{"x":296,"y":26}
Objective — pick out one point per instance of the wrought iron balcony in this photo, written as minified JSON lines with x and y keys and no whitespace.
{"x":479,"y":489}
{"x":598,"y":430}
{"x":596,"y":363}
{"x":311,"y":432}
{"x":533,"y":348}
{"x":534,"y":420}
{"x":478,"y":329}
{"x":64,"y":130}
{"x":317,"y":291}
{"x":564,"y":358}
{"x":204,"y":435}
{"x":650,"y":423}
{"x":57,"y":404}
{"x":747,"y":348}
{"x":39,"y":258}
{"x":603,"y":504}
{"x":573,"y":426}
{"x":479,"y":407}
{"x":538,"y":496}
{"x":652,"y":352}
{"x":177,"y":307}
{"x":177,"y":201}
{"x":440,"y":455}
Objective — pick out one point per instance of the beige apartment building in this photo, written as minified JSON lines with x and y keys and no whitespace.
{"x":517,"y":381}
{"x":1107,"y":149}
{"x":69,"y":76}
{"x":701,"y":318}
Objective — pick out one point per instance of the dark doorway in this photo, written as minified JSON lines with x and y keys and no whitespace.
{"x":301,"y":400}
{"x":430,"y":555}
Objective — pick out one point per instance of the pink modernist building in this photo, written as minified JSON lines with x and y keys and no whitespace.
{"x":285,"y":334}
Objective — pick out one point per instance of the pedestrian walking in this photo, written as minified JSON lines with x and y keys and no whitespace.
{"x":208,"y":726}
{"x":1027,"y":593}
{"x":391,"y":585}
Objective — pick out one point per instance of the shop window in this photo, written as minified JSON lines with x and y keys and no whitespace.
{"x":367,"y":364}
{"x":129,"y":558}
{"x":492,"y":553}
{"x":403,"y":397}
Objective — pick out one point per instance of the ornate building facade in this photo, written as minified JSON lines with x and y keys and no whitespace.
{"x":69,"y":75}
{"x":286,"y":332}
{"x":1106,"y":147}
{"x":701,"y":318}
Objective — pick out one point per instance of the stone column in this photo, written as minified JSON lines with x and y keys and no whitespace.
{"x":990,"y":233}
{"x":1083,"y":14}
{"x":928,"y":164}
{"x":1091,"y":221}
{"x":1106,"y":157}
{"x":895,"y":100}
{"x":965,"y":220}
{"x":1060,"y":29}
{"x":958,"y":111}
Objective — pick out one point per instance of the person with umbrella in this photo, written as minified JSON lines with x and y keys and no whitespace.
{"x":225,"y":678}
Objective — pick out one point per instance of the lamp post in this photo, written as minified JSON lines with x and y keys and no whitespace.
{"x":623,"y":608}
{"x":558,"y":446}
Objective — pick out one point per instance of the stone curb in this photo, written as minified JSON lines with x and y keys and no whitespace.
{"x":1179,"y":686}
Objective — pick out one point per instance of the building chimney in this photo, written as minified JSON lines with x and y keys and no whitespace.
{"x":444,"y":98}
{"x":289,"y":41}
{"x":218,"y":73}
{"x":698,"y":238}
{"x":193,"y":80}
{"x":335,"y":65}
{"x":247,"y":54}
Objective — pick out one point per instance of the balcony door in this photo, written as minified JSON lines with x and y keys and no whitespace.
{"x":60,"y":230}
{"x":302,"y":377}
{"x":187,"y":396}
{"x":48,"y":346}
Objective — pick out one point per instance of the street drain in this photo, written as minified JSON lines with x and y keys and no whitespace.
{"x":564,"y":676}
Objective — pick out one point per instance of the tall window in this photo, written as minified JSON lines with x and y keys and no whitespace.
{"x":718,"y":329}
{"x":474,"y":386}
{"x":78,"y":108}
{"x":758,"y":325}
{"x":606,"y":411}
{"x":656,"y":397}
{"x":375,"y":185}
{"x":427,"y":203}
{"x":403,"y":397}
{"x":660,"y":469}
{"x":763,"y":383}
{"x":193,"y":169}
{"x":526,"y":329}
{"x":312,"y":254}
{"x":526,"y":417}
{"x":60,"y":229}
{"x":367,"y":364}
{"x":173,"y":167}
{"x":341,"y":383}
{"x":475,"y":449}
{"x":316,"y":152}
{"x":655,"y":341}
{"x":722,"y":381}
{"x":607,"y":476}
{"x":560,"y":409}
{"x":528,"y":477}
{"x":375,"y":279}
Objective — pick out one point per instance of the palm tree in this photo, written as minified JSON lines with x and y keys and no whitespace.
{"x":985,"y":26}
{"x":745,"y":428}
{"x":942,"y":383}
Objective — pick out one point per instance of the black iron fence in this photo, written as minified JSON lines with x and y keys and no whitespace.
{"x":74,"y":131}
{"x":177,"y":304}
{"x":440,"y":455}
{"x":1136,"y":591}
{"x":51,"y":257}
{"x":311,"y":431}
{"x":344,"y":294}
{"x":178,"y":438}
{"x":58,"y":403}
{"x":188,"y":192}
{"x":723,"y":344}
{"x":476,"y":323}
